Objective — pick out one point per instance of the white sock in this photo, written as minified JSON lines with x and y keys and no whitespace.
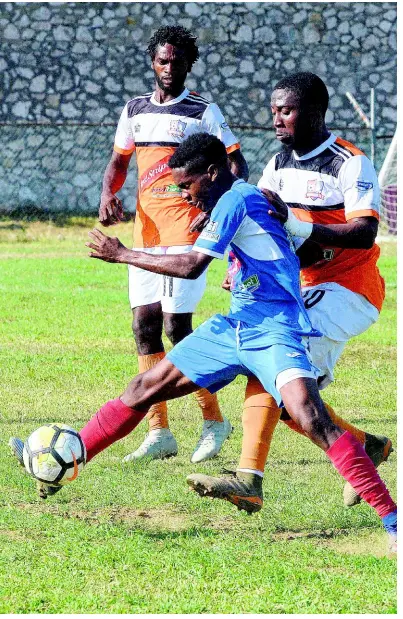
{"x":254,"y":471}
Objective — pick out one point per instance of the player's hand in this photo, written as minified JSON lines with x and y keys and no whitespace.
{"x":110,"y":210}
{"x":281,"y":212}
{"x":105,"y":248}
{"x":227,"y":282}
{"x":200,"y":222}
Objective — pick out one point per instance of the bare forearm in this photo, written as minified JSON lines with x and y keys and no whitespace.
{"x":184,"y":266}
{"x":349,"y":236}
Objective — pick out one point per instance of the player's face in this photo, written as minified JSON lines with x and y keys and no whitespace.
{"x":170,"y":67}
{"x":197,"y":189}
{"x":286,"y":116}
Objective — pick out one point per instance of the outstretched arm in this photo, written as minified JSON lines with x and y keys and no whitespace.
{"x":110,"y":249}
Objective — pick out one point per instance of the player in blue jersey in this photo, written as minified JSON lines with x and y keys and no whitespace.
{"x":263,"y":334}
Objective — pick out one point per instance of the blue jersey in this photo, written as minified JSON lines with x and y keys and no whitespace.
{"x":265,"y":273}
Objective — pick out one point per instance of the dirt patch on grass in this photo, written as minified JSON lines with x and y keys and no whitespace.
{"x":15,"y":536}
{"x":368,"y":543}
{"x":156,"y":519}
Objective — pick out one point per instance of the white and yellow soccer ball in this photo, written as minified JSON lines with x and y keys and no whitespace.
{"x":54,"y":454}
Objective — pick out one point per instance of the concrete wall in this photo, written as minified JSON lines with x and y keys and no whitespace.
{"x":73,"y":63}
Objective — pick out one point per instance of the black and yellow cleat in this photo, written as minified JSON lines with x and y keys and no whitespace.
{"x":242,"y":489}
{"x":378,"y":448}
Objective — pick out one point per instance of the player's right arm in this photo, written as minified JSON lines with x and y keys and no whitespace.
{"x":110,"y":209}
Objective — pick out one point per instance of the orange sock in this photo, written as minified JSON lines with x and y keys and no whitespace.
{"x":338,"y":421}
{"x":344,"y":425}
{"x":293,"y":426}
{"x":259,"y":419}
{"x":158,"y":414}
{"x":208,"y":403}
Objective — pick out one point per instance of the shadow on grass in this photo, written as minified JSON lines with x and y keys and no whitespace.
{"x":31,"y":213}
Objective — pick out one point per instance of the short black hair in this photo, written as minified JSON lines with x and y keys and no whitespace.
{"x":198,"y":152}
{"x":178,"y":37}
{"x":308,"y":87}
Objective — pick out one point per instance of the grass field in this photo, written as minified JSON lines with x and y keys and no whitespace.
{"x":131,"y":538}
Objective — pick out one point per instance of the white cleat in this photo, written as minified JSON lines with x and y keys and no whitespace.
{"x":211,"y":439}
{"x":157,"y":445}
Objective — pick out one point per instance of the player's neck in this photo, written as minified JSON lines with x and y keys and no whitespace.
{"x":164,"y":96}
{"x":315,"y":140}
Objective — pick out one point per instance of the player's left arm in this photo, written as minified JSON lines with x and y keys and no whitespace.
{"x":110,"y":249}
{"x":359,"y":185}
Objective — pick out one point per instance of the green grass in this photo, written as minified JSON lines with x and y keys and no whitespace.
{"x":132,"y":539}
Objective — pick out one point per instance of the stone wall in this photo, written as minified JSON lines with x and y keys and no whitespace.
{"x":77,"y":63}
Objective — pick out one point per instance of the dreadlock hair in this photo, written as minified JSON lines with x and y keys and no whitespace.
{"x":177,"y":36}
{"x":198,"y":152}
{"x":308,"y":87}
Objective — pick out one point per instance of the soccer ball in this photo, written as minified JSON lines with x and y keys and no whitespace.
{"x":54,"y":454}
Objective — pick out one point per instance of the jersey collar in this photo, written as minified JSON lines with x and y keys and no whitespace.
{"x":182,"y":96}
{"x":319,"y":149}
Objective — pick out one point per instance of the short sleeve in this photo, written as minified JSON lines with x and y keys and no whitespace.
{"x":124,"y":142}
{"x":214,"y":123}
{"x":268,"y":178}
{"x":359,"y":186}
{"x":225,"y":220}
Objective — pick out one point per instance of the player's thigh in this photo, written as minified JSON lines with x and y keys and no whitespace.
{"x":339,"y":314}
{"x":181,"y":296}
{"x":275,"y":365}
{"x":208,"y":356}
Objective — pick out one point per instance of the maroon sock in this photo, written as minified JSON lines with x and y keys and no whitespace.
{"x":350,"y":459}
{"x":112,"y":422}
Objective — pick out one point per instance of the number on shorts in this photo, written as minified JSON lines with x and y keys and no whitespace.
{"x":311,"y":298}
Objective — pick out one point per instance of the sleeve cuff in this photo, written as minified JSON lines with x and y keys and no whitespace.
{"x":208,"y":252}
{"x":363,"y":213}
{"x":230,"y":149}
{"x":124,"y":151}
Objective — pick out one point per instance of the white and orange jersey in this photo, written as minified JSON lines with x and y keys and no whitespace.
{"x":332,"y":184}
{"x":153,"y":130}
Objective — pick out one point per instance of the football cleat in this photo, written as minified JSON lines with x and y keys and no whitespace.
{"x":242,"y":489}
{"x":157,"y":445}
{"x":17,"y":447}
{"x":213,"y":435}
{"x":378,"y":448}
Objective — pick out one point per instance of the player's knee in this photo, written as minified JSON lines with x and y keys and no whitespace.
{"x":147,"y":335}
{"x":177,"y":327}
{"x":314,"y":420}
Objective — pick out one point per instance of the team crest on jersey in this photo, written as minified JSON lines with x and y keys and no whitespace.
{"x":177,"y":128}
{"x":281,"y":184}
{"x":314,"y":190}
{"x":137,"y":128}
{"x":210,"y":232}
{"x":251,"y":284}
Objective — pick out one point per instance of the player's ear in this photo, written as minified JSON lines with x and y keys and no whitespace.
{"x":212,"y":171}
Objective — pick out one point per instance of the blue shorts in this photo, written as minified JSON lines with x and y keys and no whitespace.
{"x":221,"y":348}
